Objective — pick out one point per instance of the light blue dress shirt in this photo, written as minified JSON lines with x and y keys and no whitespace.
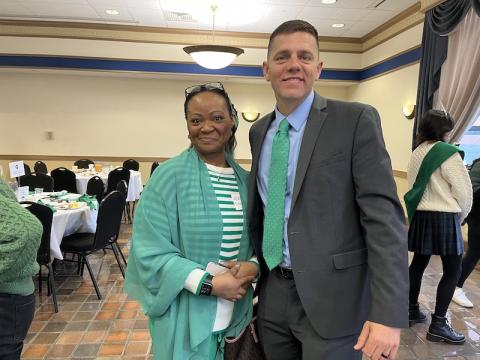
{"x":297,"y":120}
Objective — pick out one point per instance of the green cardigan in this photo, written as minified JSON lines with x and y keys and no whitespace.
{"x":178,"y":228}
{"x":20,"y":235}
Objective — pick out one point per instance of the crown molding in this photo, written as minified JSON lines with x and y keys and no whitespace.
{"x":144,"y":34}
{"x":428,"y":4}
{"x":400,"y":23}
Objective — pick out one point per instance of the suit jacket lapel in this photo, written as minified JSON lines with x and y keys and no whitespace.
{"x":258,"y":144}
{"x":255,"y":206}
{"x":315,"y":121}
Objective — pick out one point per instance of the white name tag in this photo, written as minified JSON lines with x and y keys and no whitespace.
{"x":237,"y":201}
{"x":22,"y":192}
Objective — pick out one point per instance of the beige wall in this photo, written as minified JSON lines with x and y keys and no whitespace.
{"x":388,"y":93}
{"x":103,"y":116}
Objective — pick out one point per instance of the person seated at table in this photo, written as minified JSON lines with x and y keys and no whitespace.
{"x":192,"y":213}
{"x":20,"y":235}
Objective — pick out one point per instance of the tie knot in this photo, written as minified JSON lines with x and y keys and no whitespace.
{"x":284,"y":126}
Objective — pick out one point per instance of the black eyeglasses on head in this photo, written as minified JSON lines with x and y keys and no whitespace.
{"x":204,"y":87}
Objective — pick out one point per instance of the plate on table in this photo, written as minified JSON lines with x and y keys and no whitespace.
{"x":62,"y":206}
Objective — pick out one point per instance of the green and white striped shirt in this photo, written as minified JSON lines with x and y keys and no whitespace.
{"x":226,"y":190}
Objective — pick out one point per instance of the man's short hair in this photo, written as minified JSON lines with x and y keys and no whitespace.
{"x":293,"y":26}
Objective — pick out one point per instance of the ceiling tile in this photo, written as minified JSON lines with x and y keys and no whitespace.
{"x":63,"y":11}
{"x":263,"y":16}
{"x":352,"y":4}
{"x":14,"y":8}
{"x":396,"y":5}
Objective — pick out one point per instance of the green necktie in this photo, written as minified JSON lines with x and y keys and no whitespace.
{"x":275,"y":209}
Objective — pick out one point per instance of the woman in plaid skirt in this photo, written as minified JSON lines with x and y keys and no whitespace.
{"x":439,"y":200}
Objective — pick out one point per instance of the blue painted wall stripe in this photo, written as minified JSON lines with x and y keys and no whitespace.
{"x":56,"y":62}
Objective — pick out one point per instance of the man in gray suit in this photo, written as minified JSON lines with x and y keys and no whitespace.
{"x":340,"y":284}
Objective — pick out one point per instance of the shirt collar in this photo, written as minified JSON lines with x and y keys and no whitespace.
{"x":299,"y":116}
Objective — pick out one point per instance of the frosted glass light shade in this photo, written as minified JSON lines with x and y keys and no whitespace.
{"x":213,"y":56}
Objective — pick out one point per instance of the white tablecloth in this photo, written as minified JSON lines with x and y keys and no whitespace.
{"x":135,"y":184}
{"x":67,"y":222}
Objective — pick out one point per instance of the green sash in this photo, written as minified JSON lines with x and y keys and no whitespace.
{"x":438,"y":154}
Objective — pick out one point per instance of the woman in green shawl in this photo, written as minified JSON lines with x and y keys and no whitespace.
{"x":191,"y":264}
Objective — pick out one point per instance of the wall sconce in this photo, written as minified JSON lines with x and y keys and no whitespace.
{"x":409,"y":111}
{"x":250,"y":116}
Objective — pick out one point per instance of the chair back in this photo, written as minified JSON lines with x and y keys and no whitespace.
{"x":96,"y":187}
{"x":122,"y":187}
{"x":28,"y":171}
{"x":37,"y":180}
{"x":115,"y":176}
{"x":45,"y":215}
{"x":109,"y":218}
{"x":83,"y":163}
{"x":40,"y":167}
{"x":131,"y":164}
{"x":64,"y":179}
{"x":154,"y":166}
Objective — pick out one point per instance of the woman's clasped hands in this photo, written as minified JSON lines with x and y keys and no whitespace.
{"x":232,"y":285}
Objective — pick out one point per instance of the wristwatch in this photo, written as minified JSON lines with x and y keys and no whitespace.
{"x":206,"y":287}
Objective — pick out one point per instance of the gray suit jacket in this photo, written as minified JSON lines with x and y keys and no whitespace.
{"x":347,"y":231}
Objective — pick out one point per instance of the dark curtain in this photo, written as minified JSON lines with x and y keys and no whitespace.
{"x":439,"y":21}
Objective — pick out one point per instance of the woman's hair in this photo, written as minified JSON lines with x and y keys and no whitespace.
{"x":232,"y":142}
{"x":433,"y":126}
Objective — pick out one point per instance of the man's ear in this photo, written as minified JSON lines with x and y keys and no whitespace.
{"x":319,"y":68}
{"x":265,"y":71}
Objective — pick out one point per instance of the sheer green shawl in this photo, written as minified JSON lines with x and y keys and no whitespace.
{"x":177,"y":228}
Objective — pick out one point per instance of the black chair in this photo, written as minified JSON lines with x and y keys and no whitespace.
{"x":115,"y":176}
{"x":45,"y":215}
{"x":37,"y":180}
{"x":40,"y":167}
{"x":154,"y":166}
{"x":83,"y":163}
{"x":131,"y":164}
{"x":123,"y":188}
{"x":96,"y":187}
{"x":28,"y":171}
{"x":108,"y":228}
{"x":64,"y":179}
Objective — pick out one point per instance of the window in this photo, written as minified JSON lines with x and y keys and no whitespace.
{"x":470,"y":142}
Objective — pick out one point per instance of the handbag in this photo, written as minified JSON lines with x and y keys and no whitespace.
{"x":245,"y":346}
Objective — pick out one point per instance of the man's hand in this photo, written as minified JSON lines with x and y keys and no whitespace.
{"x":378,"y":341}
{"x":245,"y":268}
{"x":229,"y":286}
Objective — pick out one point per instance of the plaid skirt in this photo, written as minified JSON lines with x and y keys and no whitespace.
{"x":435,"y":233}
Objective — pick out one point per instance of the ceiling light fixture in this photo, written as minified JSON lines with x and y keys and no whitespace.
{"x":213,"y":56}
{"x":112,"y":12}
{"x":329,"y":1}
{"x":338,"y":26}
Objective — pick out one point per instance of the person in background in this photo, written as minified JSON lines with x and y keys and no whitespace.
{"x":190,"y":225}
{"x":20,"y":236}
{"x":439,"y":200}
{"x":472,"y":256}
{"x":324,"y":216}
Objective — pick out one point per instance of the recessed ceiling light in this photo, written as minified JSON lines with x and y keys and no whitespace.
{"x":338,"y":25}
{"x":112,"y":12}
{"x":329,"y":1}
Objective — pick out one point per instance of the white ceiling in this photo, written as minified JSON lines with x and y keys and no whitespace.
{"x":261,"y":16}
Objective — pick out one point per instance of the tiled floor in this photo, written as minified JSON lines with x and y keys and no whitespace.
{"x":114,"y":328}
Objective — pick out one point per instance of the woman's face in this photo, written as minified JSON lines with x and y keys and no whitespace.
{"x":209,"y":123}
